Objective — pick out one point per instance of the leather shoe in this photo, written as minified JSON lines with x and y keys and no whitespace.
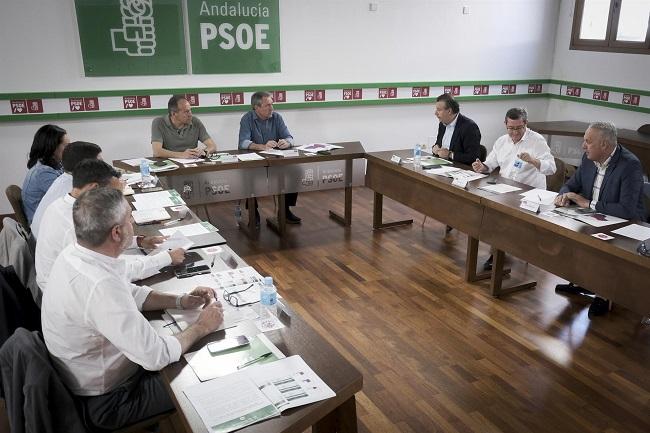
{"x":291,"y":218}
{"x":600,"y":306}
{"x":487,"y":266}
{"x":572,"y":289}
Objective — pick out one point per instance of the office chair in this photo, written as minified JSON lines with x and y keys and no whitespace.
{"x":644,"y":129}
{"x":14,"y":195}
{"x":555,"y":181}
{"x":482,"y":153}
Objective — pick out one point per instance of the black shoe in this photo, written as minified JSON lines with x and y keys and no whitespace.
{"x":599,"y":307}
{"x":448,"y":229}
{"x":572,"y":289}
{"x":487,"y":266}
{"x":291,"y":218}
{"x":257,"y":219}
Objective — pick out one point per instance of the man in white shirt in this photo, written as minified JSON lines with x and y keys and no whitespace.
{"x":58,"y":229}
{"x":73,"y":154}
{"x":522,"y":154}
{"x":100,"y":342}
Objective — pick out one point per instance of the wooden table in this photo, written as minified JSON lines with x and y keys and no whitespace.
{"x":634,"y":141}
{"x":350,"y":151}
{"x":337,"y":414}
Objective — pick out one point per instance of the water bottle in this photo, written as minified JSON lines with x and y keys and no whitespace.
{"x":268,"y":301}
{"x":238,"y":214}
{"x":145,"y":172}
{"x":417,"y":157}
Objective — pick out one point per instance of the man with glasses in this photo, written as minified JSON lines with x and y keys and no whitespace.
{"x":609,"y":180}
{"x":459,"y":137}
{"x":177,"y":134}
{"x":521,"y":154}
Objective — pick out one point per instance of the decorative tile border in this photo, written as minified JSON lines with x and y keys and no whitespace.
{"x":152,"y":102}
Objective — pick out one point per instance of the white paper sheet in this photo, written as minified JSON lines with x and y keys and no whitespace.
{"x":599,"y":219}
{"x":176,"y":240}
{"x":539,"y":196}
{"x":442,"y":171}
{"x":315,"y":147}
{"x":187,"y":160}
{"x":499,"y":188}
{"x":187,"y":230}
{"x":159,"y":199}
{"x":634,"y":231}
{"x":150,"y":215}
{"x":249,"y":157}
{"x":135,"y":162}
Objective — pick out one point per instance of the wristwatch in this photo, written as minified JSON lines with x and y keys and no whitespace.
{"x":179,"y":305}
{"x":138,"y":240}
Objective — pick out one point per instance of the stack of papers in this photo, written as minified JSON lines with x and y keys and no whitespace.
{"x":207,"y":366}
{"x":236,"y":277}
{"x":195,"y":229}
{"x":135,"y":162}
{"x":465,"y":175}
{"x":599,"y":219}
{"x":540,"y":196}
{"x":165,"y":165}
{"x":187,"y":160}
{"x":257,"y":393}
{"x":499,"y":188}
{"x":634,"y":231}
{"x":148,"y":216}
{"x":157,"y":200}
{"x":249,"y":157}
{"x":315,"y":147}
{"x":442,"y":171}
{"x":279,"y":152}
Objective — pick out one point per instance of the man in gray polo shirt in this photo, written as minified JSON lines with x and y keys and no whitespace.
{"x":177,"y":134}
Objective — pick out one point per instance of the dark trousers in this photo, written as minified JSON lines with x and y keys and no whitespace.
{"x":290,"y":199}
{"x":139,"y":398}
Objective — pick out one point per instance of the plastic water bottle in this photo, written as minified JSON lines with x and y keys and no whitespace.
{"x":238,"y":214}
{"x":417,"y":157}
{"x":268,"y":301}
{"x":145,"y":172}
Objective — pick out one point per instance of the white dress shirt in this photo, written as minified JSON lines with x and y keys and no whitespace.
{"x":59,"y":188}
{"x":600,"y":175}
{"x":449,"y":131}
{"x":504,"y":155}
{"x":92,"y":323}
{"x":58,"y":232}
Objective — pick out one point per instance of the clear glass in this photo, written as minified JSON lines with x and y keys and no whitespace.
{"x":633,"y":20}
{"x":594,"y":19}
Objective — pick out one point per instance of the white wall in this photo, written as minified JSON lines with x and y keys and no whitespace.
{"x":609,"y":69}
{"x":333,"y":41}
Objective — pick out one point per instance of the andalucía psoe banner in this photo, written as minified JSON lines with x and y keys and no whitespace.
{"x":131,"y":37}
{"x":234,"y":36}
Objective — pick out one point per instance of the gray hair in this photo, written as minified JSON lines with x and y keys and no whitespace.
{"x":517,"y":113}
{"x":96,"y":212}
{"x":607,"y":131}
{"x":256,"y":99}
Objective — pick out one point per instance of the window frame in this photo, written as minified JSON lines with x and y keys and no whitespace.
{"x":609,"y":44}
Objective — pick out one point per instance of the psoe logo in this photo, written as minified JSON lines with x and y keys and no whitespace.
{"x":137,"y":37}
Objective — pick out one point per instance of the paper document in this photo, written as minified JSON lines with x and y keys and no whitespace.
{"x":466,"y":175}
{"x":315,"y":147}
{"x":135,"y":162}
{"x":236,"y":277}
{"x":499,"y":188}
{"x":228,"y":403}
{"x":167,"y":165}
{"x":442,"y":171}
{"x":176,"y":240}
{"x":195,"y":229}
{"x":599,"y":219}
{"x":150,"y":215}
{"x":249,"y":157}
{"x":207,"y":366}
{"x":131,"y":178}
{"x":538,"y":195}
{"x":634,"y":231}
{"x":156,"y":200}
{"x":279,"y":152}
{"x":187,"y":160}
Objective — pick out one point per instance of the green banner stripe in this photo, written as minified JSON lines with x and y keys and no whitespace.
{"x":601,"y":103}
{"x":600,"y":87}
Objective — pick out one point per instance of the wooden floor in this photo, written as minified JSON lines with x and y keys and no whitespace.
{"x":438,"y":354}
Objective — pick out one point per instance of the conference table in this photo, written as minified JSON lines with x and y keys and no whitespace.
{"x":211,"y":181}
{"x":563,"y":246}
{"x":636,"y":142}
{"x":336,"y":414}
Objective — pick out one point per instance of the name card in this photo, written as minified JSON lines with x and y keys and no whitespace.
{"x":396,"y":159}
{"x":460,"y":182}
{"x":529,"y":205}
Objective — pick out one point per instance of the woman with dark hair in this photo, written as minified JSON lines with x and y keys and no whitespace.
{"x":44,"y":166}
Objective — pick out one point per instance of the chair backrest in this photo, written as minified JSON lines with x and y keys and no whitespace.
{"x":644,"y":129}
{"x":482,"y":153}
{"x":555,"y":181}
{"x":14,"y":195}
{"x":646,"y":200}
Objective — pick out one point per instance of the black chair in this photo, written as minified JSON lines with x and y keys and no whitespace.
{"x":482,"y":153}
{"x":555,"y":181}
{"x":646,"y":200}
{"x":644,"y":129}
{"x":17,"y":307}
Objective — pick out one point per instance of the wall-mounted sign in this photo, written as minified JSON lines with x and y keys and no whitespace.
{"x":131,"y":37}
{"x":234,"y":36}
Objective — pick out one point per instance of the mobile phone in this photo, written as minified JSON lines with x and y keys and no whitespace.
{"x":227,"y":344}
{"x":192,"y":271}
{"x":190,"y":258}
{"x":159,"y":163}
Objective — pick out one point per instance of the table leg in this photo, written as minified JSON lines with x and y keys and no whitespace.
{"x":346,"y":219}
{"x":279,"y":224}
{"x":377,"y":212}
{"x":471,"y":263}
{"x":250,"y":228}
{"x":343,"y":419}
{"x":496,"y":282}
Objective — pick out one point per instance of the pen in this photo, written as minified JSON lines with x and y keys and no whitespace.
{"x":254,"y":360}
{"x":170,"y":222}
{"x":213,"y":257}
